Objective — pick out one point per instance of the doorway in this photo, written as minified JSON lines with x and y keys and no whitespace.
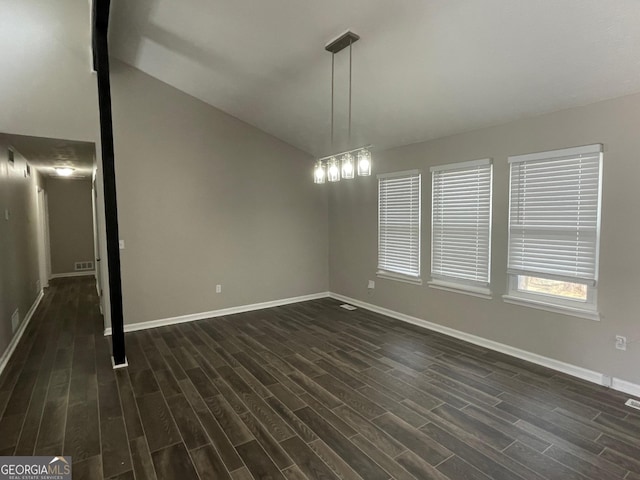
{"x":62,"y":204}
{"x":44,"y":254}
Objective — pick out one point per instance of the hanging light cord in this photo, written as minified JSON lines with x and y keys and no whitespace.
{"x":350,"y":63}
{"x":333,"y":56}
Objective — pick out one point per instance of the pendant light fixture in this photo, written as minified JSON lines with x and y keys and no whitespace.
{"x":364,"y":162}
{"x":348,"y":167}
{"x":333,"y":170}
{"x":319,"y":173}
{"x":346,"y":164}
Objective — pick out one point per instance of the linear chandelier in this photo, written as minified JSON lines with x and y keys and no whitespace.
{"x":343,"y":164}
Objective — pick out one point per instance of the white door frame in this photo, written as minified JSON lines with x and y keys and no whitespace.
{"x":44,"y":247}
{"x":96,"y":241}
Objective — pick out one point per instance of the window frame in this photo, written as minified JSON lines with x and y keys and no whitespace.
{"x":387,"y":273}
{"x":587,"y":308}
{"x":457,"y":284}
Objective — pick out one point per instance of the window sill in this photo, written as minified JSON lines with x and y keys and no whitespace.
{"x":480,"y":292}
{"x":549,"y":307}
{"x":399,"y":277}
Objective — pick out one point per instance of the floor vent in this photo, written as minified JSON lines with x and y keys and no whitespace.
{"x":84,"y":266}
{"x":346,"y":306}
{"x":633,"y":403}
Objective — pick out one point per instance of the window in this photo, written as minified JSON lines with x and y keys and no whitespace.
{"x":399,"y":226}
{"x":554,"y":229}
{"x":461,"y":226}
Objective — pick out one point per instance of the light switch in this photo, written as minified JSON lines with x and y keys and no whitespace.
{"x":6,"y":214}
{"x":121,"y":244}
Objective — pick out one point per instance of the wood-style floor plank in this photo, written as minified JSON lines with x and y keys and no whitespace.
{"x":141,"y":459}
{"x":306,"y":460}
{"x":258,"y":462}
{"x":209,"y":464}
{"x":173,"y":463}
{"x":159,"y":426}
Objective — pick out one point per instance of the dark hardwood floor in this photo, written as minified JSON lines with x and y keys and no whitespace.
{"x":302,"y":391}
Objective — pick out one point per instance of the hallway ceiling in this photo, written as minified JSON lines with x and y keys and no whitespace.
{"x":44,"y":154}
{"x":423,"y":68}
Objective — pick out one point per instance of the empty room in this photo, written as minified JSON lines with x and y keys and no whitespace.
{"x":320,"y":240}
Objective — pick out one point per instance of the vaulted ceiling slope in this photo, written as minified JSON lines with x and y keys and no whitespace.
{"x":423,"y":68}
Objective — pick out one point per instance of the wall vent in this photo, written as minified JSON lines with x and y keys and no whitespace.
{"x":83,"y":266}
{"x":633,"y":403}
{"x":15,"y":320}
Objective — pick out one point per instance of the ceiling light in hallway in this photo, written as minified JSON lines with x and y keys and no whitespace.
{"x":64,"y":171}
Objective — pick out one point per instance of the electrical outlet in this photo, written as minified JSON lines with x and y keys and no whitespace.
{"x":371,"y":284}
{"x":621,"y":342}
{"x":218,"y":288}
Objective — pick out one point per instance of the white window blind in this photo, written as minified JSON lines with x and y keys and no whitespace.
{"x":554,"y":214}
{"x":461,"y":222}
{"x":399,"y":223}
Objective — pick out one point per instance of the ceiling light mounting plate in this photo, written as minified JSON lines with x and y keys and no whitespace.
{"x":342,"y":42}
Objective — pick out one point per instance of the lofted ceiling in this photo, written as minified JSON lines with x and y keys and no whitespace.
{"x":45,"y":154}
{"x":423,"y":68}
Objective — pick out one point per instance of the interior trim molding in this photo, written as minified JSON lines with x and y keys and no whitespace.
{"x":573,"y":370}
{"x":132,"y":327}
{"x":72,"y":274}
{"x":120,"y":365}
{"x":626,"y":387}
{"x":6,"y":356}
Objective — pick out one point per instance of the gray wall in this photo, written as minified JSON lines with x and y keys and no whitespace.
{"x":586,"y":343}
{"x":19,"y":274}
{"x":70,"y":222}
{"x":206,"y":199}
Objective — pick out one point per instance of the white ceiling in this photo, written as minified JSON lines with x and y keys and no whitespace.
{"x":423,"y":68}
{"x":45,"y":154}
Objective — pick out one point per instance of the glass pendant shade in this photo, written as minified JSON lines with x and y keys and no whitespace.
{"x":333,"y":170}
{"x":319,"y":173}
{"x":348,"y":167}
{"x":364,"y":163}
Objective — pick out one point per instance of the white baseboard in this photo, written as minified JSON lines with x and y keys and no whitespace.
{"x":6,"y":356}
{"x":132,"y":327}
{"x":626,"y":387}
{"x":73,"y":274}
{"x":120,"y":365}
{"x":569,"y":369}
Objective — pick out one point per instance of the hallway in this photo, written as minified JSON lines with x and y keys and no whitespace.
{"x":53,"y":382}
